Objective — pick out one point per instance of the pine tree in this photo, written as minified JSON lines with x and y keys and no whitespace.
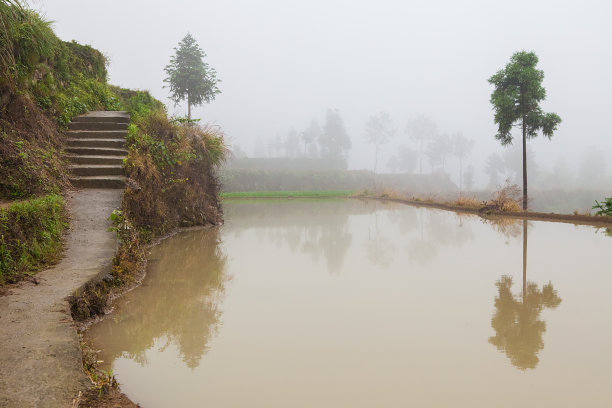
{"x":189,"y":77}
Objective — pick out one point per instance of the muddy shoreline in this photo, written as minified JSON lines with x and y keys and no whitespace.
{"x":111,"y":395}
{"x":576,"y":219}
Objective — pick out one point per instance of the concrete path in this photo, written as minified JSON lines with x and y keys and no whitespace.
{"x":40,"y":358}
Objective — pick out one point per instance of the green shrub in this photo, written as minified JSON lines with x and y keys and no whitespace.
{"x":603,"y":208}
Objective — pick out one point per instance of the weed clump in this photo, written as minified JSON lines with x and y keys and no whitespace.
{"x":506,"y":199}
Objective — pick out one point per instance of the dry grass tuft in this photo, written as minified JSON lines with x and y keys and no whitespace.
{"x":467,"y":202}
{"x":508,"y":198}
{"x":393,"y":194}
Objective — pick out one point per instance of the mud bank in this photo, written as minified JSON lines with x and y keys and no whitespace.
{"x":576,"y":219}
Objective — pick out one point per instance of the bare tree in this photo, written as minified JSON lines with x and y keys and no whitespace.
{"x":421,"y":129}
{"x":379,"y":130}
{"x":462,"y":147}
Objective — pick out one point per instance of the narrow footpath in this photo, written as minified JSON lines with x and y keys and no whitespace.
{"x":40,"y":356}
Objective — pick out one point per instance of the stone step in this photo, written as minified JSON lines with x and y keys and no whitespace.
{"x":97,"y":169}
{"x":97,"y":126}
{"x":97,"y":134}
{"x":103,"y":116}
{"x":91,"y":159}
{"x":114,"y":143}
{"x":98,"y":181}
{"x":97,"y":151}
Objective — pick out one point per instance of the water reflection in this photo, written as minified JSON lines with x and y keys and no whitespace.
{"x":516,"y":321}
{"x":508,"y":227}
{"x":178,"y":302}
{"x":436,"y":232}
{"x":607,"y":231}
{"x":314,"y":227}
{"x":379,"y":250}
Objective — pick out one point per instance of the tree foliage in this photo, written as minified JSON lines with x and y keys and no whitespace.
{"x":516,"y":101}
{"x":334,"y":141}
{"x":189,"y":77}
{"x":517,"y":96}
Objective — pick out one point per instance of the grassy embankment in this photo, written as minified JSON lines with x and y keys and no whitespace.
{"x":30,"y":233}
{"x":43,"y":83}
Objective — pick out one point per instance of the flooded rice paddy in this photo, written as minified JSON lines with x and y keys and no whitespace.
{"x":347,"y":303}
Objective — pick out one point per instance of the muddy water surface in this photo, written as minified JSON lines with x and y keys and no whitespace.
{"x":362,"y":304}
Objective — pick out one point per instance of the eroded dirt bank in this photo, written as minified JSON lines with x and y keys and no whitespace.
{"x":40,"y":357}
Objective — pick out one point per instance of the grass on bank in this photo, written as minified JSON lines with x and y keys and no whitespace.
{"x":288,"y":194}
{"x":30,"y":235}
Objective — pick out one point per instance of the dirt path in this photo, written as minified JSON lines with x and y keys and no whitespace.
{"x":40,"y":358}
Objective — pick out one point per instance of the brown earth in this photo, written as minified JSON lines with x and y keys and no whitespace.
{"x":576,"y":219}
{"x":40,"y":357}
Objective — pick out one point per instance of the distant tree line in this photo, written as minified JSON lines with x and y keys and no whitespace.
{"x":329,"y":142}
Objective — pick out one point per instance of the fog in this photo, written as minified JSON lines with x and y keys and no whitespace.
{"x":283,"y":63}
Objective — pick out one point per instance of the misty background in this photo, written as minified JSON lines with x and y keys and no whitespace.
{"x":285,"y":63}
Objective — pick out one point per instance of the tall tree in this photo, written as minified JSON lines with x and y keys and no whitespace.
{"x":516,"y":102}
{"x":468,"y":177}
{"x":292,"y":144}
{"x":379,"y":130}
{"x":334,"y":141}
{"x":310,"y":136}
{"x":189,"y":77}
{"x":421,"y":129}
{"x":494,"y":167}
{"x":406,"y":159}
{"x":462,"y":147}
{"x":438,"y":148}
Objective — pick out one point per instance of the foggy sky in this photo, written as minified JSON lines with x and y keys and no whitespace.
{"x":284,"y":62}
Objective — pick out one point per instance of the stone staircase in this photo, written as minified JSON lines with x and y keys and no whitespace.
{"x":96,"y":148}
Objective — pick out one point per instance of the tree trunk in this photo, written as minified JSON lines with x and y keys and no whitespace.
{"x":375,"y":158}
{"x":375,"y":164}
{"x":421,"y":159}
{"x":460,"y":175}
{"x":524,"y":164}
{"x":188,"y":107}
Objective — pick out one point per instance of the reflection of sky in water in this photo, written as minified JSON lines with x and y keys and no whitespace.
{"x":352,"y":303}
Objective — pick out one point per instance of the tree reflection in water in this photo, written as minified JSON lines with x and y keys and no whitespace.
{"x":516,"y":321}
{"x":314,"y":227}
{"x":178,"y":302}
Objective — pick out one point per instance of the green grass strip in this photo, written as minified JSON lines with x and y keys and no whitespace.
{"x":287,"y":194}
